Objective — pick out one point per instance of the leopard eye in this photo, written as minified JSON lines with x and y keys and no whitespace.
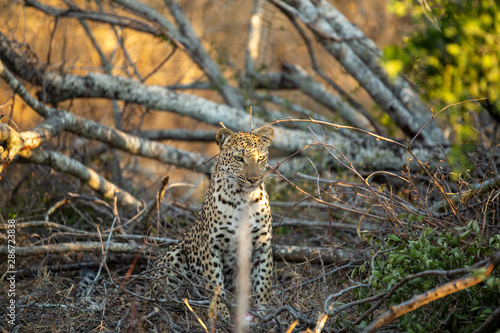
{"x":238,"y":158}
{"x":261,"y":158}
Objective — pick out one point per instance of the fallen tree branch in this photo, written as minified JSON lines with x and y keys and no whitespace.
{"x":73,"y":247}
{"x":13,"y":144}
{"x":318,"y":224}
{"x":63,"y":163}
{"x":327,"y":256}
{"x":22,"y":144}
{"x":60,"y":120}
{"x":280,"y":252}
{"x":178,"y":134}
{"x":417,"y":301}
{"x":338,"y":36}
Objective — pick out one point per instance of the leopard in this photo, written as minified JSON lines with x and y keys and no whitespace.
{"x":209,"y":248}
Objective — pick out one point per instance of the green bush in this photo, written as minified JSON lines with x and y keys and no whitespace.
{"x":463,"y":311}
{"x":453,"y":55}
{"x":454,"y":52}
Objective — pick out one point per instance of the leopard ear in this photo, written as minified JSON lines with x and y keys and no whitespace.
{"x":223,"y":137}
{"x":266,"y":135}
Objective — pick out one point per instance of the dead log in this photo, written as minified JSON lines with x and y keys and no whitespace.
{"x":288,"y":253}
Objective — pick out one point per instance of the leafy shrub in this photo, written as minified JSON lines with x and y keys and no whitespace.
{"x":437,"y":250}
{"x":453,"y":56}
{"x":455,"y":52}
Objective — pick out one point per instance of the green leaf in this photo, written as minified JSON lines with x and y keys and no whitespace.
{"x":475,"y":225}
{"x":394,"y":238}
{"x":399,"y":259}
{"x":465,"y":234}
{"x":413,"y":253}
{"x":387,"y":279}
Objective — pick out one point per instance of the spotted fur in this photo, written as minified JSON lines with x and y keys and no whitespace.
{"x":209,"y":247}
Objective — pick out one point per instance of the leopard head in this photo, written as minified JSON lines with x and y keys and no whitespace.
{"x":243,"y":155}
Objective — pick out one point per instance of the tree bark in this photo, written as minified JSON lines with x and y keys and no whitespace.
{"x":177,"y":134}
{"x":63,"y":163}
{"x":280,"y":252}
{"x":360,"y":57}
{"x":60,"y":120}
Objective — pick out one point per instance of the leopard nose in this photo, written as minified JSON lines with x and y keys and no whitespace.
{"x":253,"y":180}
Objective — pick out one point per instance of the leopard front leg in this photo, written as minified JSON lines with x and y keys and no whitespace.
{"x":262,"y":274}
{"x":214,"y":281}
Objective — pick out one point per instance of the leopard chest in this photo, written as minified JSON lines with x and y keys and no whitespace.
{"x":232,"y":211}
